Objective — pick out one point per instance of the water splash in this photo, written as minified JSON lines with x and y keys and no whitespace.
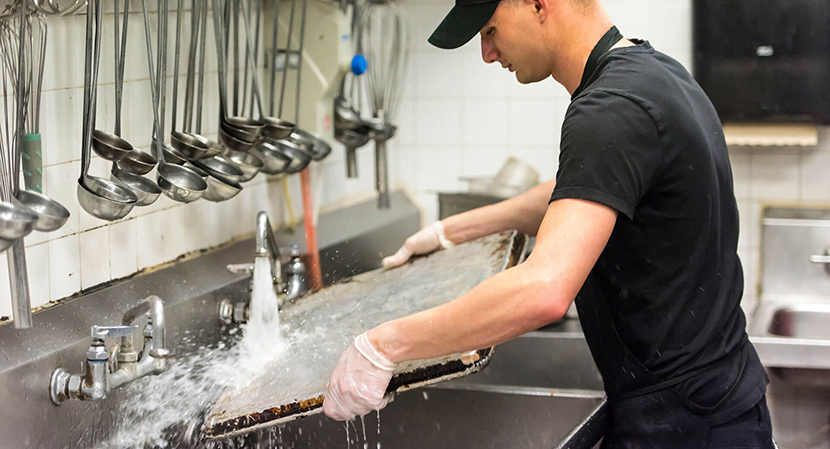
{"x":167,"y":409}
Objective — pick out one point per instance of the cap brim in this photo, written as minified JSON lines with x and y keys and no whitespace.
{"x":462,"y":24}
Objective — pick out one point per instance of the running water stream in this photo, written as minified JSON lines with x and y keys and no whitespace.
{"x":162,"y":410}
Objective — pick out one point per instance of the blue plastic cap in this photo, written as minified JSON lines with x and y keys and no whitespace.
{"x":359,"y":65}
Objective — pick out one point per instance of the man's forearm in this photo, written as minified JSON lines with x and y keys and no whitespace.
{"x":503,"y":307}
{"x":524,"y":213}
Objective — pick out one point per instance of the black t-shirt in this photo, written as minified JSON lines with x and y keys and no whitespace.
{"x":641,"y":137}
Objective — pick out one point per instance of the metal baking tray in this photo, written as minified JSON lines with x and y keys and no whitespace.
{"x":322,"y":325}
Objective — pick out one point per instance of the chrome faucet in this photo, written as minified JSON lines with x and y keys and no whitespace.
{"x":108,"y":369}
{"x":290,"y":280}
{"x":266,"y":246}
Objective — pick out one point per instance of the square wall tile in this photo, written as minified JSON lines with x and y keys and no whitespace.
{"x":486,"y":122}
{"x":64,"y":267}
{"x":38,"y":272}
{"x":149,"y":242}
{"x":439,"y":122}
{"x":741,"y":178}
{"x":439,"y":170}
{"x":95,"y":257}
{"x":815,"y":177}
{"x":123,"y":260}
{"x":483,"y":161}
{"x":534,"y":122}
{"x":775,"y":175}
{"x":438,"y":74}
{"x":61,"y":186}
{"x":61,"y":136}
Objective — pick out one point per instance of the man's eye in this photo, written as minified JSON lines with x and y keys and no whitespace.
{"x":491,"y":31}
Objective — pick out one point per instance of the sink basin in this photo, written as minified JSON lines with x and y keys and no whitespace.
{"x":446,"y":417}
{"x":809,"y":321}
{"x":805,"y":321}
{"x":547,"y":359}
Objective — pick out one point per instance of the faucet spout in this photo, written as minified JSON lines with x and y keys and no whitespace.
{"x":266,"y":246}
{"x":154,"y":305}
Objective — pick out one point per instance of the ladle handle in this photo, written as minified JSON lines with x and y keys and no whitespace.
{"x":153,"y":92}
{"x":287,"y":56}
{"x":203,"y":33}
{"x":274,"y":53}
{"x":218,"y":26}
{"x":176,"y":54}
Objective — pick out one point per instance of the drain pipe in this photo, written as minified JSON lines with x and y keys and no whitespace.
{"x":310,"y":231}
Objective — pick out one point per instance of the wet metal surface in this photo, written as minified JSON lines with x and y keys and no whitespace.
{"x":322,"y":325}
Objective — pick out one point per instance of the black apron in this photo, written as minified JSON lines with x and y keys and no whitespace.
{"x":650,"y":412}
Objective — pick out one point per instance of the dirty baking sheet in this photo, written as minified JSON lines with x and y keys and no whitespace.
{"x":324,"y":324}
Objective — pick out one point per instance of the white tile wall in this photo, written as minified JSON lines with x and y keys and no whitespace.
{"x":87,"y":251}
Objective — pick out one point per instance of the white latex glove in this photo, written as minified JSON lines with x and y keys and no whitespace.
{"x":359,"y":382}
{"x":424,"y":241}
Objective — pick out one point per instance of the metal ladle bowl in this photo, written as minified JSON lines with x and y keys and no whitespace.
{"x":180,"y":183}
{"x":109,"y":146}
{"x":274,"y":160}
{"x":300,"y":158}
{"x":233,"y":143}
{"x":105,"y":199}
{"x":250,"y":164}
{"x":51,"y":215}
{"x":137,"y":162}
{"x":221,"y":166}
{"x":213,"y":147}
{"x":221,"y":188}
{"x":146,"y":191}
{"x":188,"y":145}
{"x":198,"y":170}
{"x":170,"y":154}
{"x":243,"y":134}
{"x":16,"y":221}
{"x":277,"y":128}
{"x":313,"y":143}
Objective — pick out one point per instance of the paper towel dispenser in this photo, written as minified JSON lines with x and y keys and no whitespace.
{"x":764,"y":61}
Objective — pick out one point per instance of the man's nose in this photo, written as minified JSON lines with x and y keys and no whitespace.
{"x":489,"y":53}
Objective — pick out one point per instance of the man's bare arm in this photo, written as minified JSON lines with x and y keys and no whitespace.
{"x":524,"y":213}
{"x":537,"y":292}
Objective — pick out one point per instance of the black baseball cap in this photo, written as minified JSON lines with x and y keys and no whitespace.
{"x":463,"y":22}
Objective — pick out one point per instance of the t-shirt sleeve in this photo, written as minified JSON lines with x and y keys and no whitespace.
{"x":610,"y":152}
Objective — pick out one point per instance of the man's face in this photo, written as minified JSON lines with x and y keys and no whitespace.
{"x":512,"y":38}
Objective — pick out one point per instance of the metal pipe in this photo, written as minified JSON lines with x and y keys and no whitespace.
{"x":19,"y":283}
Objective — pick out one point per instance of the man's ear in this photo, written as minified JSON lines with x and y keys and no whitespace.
{"x":542,"y":8}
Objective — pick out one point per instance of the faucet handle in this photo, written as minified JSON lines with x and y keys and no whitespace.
{"x":241,"y":268}
{"x":101,"y":332}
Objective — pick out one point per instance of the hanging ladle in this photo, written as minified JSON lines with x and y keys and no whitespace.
{"x":237,"y":133}
{"x":273,"y":127}
{"x":99,"y":197}
{"x":145,"y":190}
{"x":110,"y":146}
{"x":188,"y":145}
{"x":178,"y":183}
{"x":136,"y":162}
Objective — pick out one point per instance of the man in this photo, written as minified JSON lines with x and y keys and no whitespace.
{"x":641,"y":229}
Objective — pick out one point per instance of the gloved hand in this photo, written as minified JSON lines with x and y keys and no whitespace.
{"x":424,"y":241}
{"x":359,"y":382}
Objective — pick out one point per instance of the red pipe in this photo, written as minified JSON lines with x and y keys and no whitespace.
{"x":310,"y":231}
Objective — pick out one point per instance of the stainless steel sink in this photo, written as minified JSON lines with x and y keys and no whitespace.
{"x":792,"y":338}
{"x":554,"y":358}
{"x":448,"y":418}
{"x":808,"y":321}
